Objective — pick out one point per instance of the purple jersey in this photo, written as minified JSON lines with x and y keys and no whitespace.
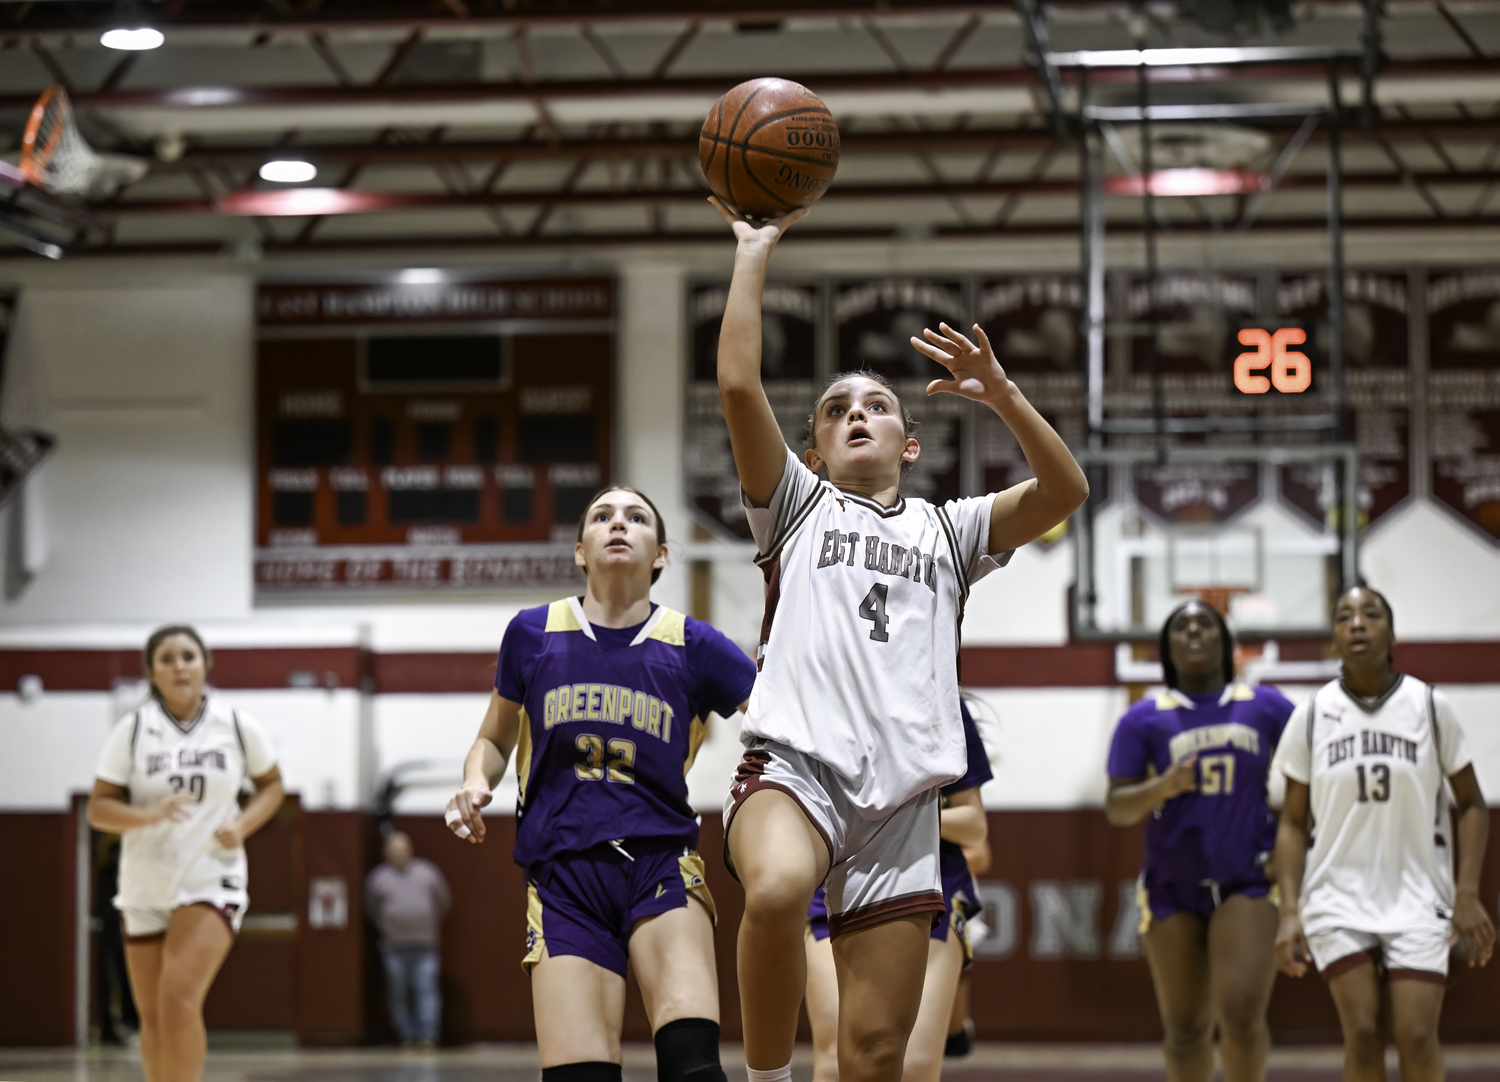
{"x":1219,"y":831}
{"x":611,"y":721}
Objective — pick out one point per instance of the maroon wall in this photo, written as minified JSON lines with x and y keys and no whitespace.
{"x":1089,"y":984}
{"x":37,"y":928}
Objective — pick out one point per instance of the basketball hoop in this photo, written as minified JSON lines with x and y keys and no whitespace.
{"x":1216,"y":597}
{"x":53,"y":153}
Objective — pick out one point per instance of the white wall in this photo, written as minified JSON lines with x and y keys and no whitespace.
{"x":149,"y":499}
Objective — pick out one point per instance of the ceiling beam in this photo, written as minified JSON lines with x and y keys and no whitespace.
{"x":1063,"y":231}
{"x":211,"y":97}
{"x":963,"y":140}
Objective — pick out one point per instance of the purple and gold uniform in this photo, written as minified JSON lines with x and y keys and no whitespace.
{"x":611,"y":720}
{"x":1206,"y":845}
{"x":959,"y":892}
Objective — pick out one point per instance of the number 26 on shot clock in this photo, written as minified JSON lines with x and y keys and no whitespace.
{"x":1290,"y":371}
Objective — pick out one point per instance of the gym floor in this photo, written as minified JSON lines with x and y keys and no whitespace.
{"x":238,"y":1061}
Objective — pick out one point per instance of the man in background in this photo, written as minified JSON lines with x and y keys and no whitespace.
{"x":407,"y":898}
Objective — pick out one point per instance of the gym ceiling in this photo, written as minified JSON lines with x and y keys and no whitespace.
{"x":497,"y":124}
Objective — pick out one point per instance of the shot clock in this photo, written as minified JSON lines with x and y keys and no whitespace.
{"x":1270,"y":360}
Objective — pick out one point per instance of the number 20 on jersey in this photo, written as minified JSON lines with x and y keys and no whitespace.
{"x":1290,"y":371}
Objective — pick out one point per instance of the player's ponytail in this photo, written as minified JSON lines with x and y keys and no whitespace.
{"x":161,"y":635}
{"x":661,"y":526}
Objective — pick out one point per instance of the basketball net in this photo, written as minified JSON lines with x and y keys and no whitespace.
{"x":53,"y":153}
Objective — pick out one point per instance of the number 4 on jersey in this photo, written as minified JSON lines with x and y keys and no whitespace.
{"x":872,"y":608}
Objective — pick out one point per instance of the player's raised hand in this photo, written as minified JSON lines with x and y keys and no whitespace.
{"x":1473,"y":931}
{"x":463,"y":815}
{"x":1292,"y":951}
{"x":1180,"y":778}
{"x":756,"y":239}
{"x":174,"y":807}
{"x":976,"y":372}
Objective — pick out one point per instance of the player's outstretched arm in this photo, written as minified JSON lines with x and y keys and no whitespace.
{"x":484,"y":766}
{"x":1025,"y":511}
{"x":1289,"y":859}
{"x":754,"y":436}
{"x":1473,"y":931}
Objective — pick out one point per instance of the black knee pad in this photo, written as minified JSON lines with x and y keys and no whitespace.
{"x":687,"y":1050}
{"x":593,"y":1071}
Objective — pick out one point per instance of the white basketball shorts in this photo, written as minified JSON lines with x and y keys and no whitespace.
{"x":879,"y":869}
{"x":1420,"y":954}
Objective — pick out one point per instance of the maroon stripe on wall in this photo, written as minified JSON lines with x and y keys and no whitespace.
{"x":449,"y":672}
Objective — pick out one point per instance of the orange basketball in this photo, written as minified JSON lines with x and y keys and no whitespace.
{"x":769,"y":146}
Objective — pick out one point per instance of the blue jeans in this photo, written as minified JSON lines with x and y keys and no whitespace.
{"x":411,"y":981}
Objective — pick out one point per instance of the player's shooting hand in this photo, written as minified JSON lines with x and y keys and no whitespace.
{"x":1180,"y":778}
{"x":1473,"y":931}
{"x":174,"y":807}
{"x":756,"y":239}
{"x":1292,"y":951}
{"x":976,"y":372}
{"x":230,"y":835}
{"x":463,"y":816}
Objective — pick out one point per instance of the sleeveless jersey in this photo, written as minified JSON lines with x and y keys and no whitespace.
{"x":859,"y":647}
{"x":1381,"y":858}
{"x":1219,"y":831}
{"x":611,"y":721}
{"x":149,"y":754}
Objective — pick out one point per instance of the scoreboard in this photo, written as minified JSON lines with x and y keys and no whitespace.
{"x":429,"y":434}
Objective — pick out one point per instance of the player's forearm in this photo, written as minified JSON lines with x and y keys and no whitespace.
{"x":1289,"y":858}
{"x":1060,"y":482}
{"x":261,"y":807}
{"x":484,"y":765}
{"x":1473,"y":836}
{"x":739,"y":333}
{"x":1126,"y":805}
{"x":114,"y":816}
{"x":963,"y":824}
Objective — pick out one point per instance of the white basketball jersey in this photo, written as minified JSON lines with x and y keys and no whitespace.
{"x":859,"y":648}
{"x":1382,"y":857}
{"x":147,"y":752}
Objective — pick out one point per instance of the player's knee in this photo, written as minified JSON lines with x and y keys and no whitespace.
{"x":592,"y":1071}
{"x":1185,"y":1032}
{"x":687,"y":1050}
{"x":872,"y":1051}
{"x":176,"y":1004}
{"x":1242,"y":1019}
{"x":1417,"y":1039}
{"x":776,"y":895}
{"x":1362,"y":1035}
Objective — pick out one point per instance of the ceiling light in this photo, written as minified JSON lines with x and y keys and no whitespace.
{"x":1170,"y":182}
{"x":296,"y":202}
{"x":285,"y":172}
{"x":420,"y":276}
{"x":143,"y":37}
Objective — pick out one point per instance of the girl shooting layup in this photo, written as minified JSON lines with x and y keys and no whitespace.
{"x":169,"y":780}
{"x":609,"y":697}
{"x":854,"y":721}
{"x":1374,"y":901}
{"x":961,"y":823}
{"x":1194,"y":759}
